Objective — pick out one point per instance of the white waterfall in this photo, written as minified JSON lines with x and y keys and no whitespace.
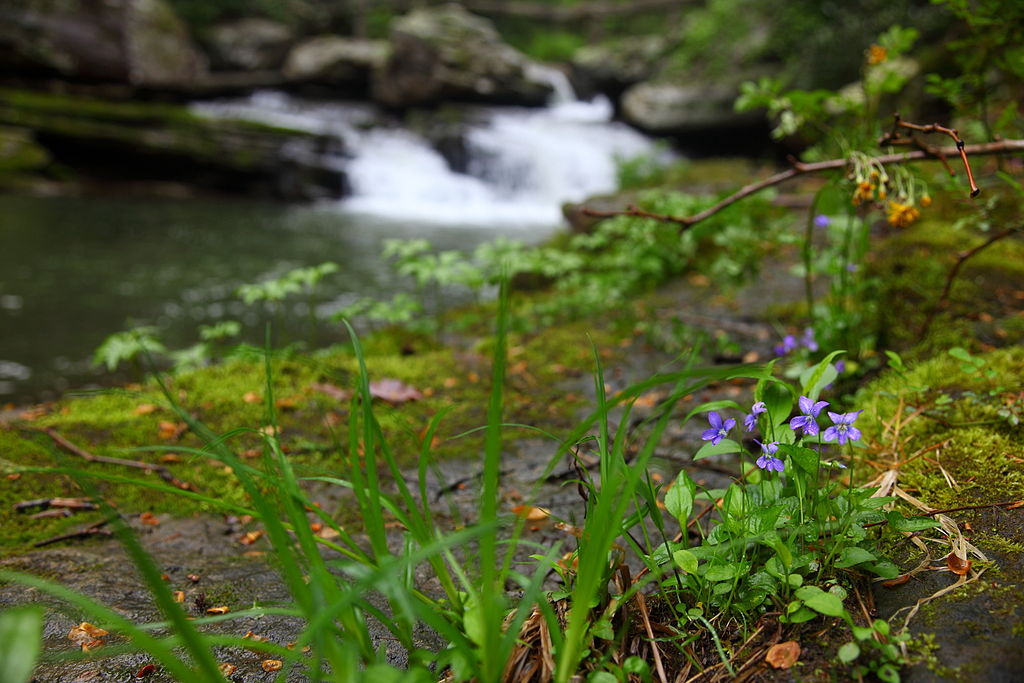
{"x":522,"y":163}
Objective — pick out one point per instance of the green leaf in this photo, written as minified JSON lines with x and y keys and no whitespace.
{"x":720,"y":572}
{"x":777,"y":397}
{"x":679,"y":499}
{"x":601,"y":677}
{"x":21,"y":638}
{"x":852,"y":556}
{"x":685,"y":560}
{"x":721,"y":448}
{"x":824,"y":603}
{"x":849,"y":652}
{"x":901,"y":523}
{"x":813,"y":380}
{"x":806,"y":459}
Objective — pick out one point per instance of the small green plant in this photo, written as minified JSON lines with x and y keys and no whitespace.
{"x":128,"y":346}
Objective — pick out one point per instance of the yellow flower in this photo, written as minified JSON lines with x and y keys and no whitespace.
{"x":902,"y":215}
{"x":926,"y":200}
{"x":877,"y":54}
{"x":863,"y":193}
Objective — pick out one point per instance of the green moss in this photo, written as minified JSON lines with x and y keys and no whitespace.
{"x":982,"y":309}
{"x":230,"y":397}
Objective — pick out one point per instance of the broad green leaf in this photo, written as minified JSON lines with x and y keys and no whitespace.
{"x":679,"y":499}
{"x":685,"y":560}
{"x":849,"y":652}
{"x":824,"y":603}
{"x":712,"y":406}
{"x":21,"y":633}
{"x":901,"y":523}
{"x":806,"y":459}
{"x":720,"y":572}
{"x":721,"y":448}
{"x":852,"y":556}
{"x":777,"y":397}
{"x":814,"y":379}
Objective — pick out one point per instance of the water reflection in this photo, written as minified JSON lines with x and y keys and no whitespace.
{"x":73,"y":270}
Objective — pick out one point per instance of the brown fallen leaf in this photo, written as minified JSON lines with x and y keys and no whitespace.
{"x":253,"y":637}
{"x":783,"y":655}
{"x":251,"y":397}
{"x":271,"y":664}
{"x":250,"y":537}
{"x":170,"y":431}
{"x":194,"y":578}
{"x":86,"y":634}
{"x":227,"y":669}
{"x":531,"y":512}
{"x":14,"y":476}
{"x":957,"y":565}
{"x":337,"y":393}
{"x":223,"y":609}
{"x":1014,"y":506}
{"x":394,"y":391}
{"x":144,"y":409}
{"x":147,"y":670}
{"x":898,"y":581}
{"x":170,"y":458}
{"x":179,"y":596}
{"x":149,"y":518}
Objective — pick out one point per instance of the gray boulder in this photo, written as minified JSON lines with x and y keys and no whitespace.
{"x":446,"y":53}
{"x":250,"y":44}
{"x":140,"y":42}
{"x":691,"y":108}
{"x":612,"y":67}
{"x":335,"y":61}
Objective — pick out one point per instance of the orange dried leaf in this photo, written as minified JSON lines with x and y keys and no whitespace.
{"x":145,"y":671}
{"x":194,"y":578}
{"x":14,"y":476}
{"x":250,"y":537}
{"x":898,"y":581}
{"x":531,"y":512}
{"x":223,"y":609}
{"x":253,"y":637}
{"x":179,"y":596}
{"x":170,"y":458}
{"x":1014,"y":506}
{"x":227,"y":669}
{"x":144,"y":409}
{"x":252,"y":397}
{"x":957,"y":565}
{"x":149,"y":518}
{"x":783,"y":655}
{"x":271,"y":664}
{"x":170,"y":431}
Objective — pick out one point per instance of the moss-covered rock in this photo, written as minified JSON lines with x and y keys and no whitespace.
{"x":138,"y":140}
{"x":141,"y":42}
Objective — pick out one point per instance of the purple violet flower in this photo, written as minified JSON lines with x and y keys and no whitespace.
{"x":809,"y":341}
{"x":719,"y":428}
{"x":822,"y":221}
{"x":840,"y":366}
{"x":768,"y":461}
{"x":750,"y":421}
{"x":788,"y":344}
{"x":808,"y":421}
{"x":842,"y":429}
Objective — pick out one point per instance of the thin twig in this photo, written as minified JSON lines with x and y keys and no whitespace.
{"x":89,"y":530}
{"x":961,"y":258}
{"x":160,"y":470}
{"x":894,"y":135}
{"x":799,"y":169}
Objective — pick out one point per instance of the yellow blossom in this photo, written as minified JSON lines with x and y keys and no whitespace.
{"x":902,"y":215}
{"x":863,"y":193}
{"x":877,"y":54}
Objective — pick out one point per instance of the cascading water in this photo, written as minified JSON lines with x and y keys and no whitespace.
{"x":520,"y":164}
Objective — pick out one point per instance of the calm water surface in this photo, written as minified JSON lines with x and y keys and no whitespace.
{"x":73,"y":270}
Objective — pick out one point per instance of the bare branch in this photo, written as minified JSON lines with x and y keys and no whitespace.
{"x":799,"y":169}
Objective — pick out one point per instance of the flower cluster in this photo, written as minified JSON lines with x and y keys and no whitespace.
{"x":901,"y":215}
{"x":790,"y":343}
{"x":841,"y":431}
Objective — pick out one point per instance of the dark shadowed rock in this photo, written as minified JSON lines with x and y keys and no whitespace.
{"x":141,"y":42}
{"x":249,"y":44}
{"x":140,"y":141}
{"x":614,"y":66}
{"x":446,"y":53}
{"x":335,"y":61}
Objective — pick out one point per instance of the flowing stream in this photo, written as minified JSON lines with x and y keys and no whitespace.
{"x":75,"y":269}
